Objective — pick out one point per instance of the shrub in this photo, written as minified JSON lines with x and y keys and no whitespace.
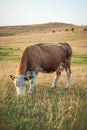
{"x":85,"y":29}
{"x":53,"y":31}
{"x":66,"y":30}
{"x":72,"y":29}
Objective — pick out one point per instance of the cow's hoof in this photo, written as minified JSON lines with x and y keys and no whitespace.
{"x":53,"y":87}
{"x":29,"y":92}
{"x":67,"y":88}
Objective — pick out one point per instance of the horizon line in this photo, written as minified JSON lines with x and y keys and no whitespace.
{"x":13,"y":25}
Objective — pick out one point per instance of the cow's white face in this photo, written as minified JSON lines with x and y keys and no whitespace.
{"x":20,"y":84}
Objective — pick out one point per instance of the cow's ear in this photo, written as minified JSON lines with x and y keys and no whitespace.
{"x":26,"y":78}
{"x":31,"y":76}
{"x":12,"y":77}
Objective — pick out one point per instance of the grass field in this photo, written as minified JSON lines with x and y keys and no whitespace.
{"x":45,"y":108}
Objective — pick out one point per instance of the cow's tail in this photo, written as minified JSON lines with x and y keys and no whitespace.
{"x":69,"y":51}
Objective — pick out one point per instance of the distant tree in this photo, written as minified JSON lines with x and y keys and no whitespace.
{"x":53,"y":31}
{"x":85,"y":29}
{"x":66,"y":30}
{"x":72,"y":29}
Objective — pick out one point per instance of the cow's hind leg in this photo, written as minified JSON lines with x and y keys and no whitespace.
{"x":68,"y":77}
{"x":57,"y":76}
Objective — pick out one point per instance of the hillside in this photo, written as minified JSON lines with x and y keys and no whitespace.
{"x":52,"y":27}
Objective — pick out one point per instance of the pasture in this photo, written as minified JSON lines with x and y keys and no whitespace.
{"x":45,"y":108}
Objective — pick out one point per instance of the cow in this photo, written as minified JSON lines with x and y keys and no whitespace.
{"x":42,"y":57}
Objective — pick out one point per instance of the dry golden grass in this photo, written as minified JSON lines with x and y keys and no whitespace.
{"x":78,"y":40}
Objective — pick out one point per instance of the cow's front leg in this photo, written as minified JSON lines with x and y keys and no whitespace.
{"x":57,"y":76}
{"x":32,"y":81}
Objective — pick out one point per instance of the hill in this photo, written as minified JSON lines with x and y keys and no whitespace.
{"x":13,"y":30}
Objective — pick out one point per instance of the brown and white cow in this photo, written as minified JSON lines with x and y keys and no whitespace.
{"x":42,"y":57}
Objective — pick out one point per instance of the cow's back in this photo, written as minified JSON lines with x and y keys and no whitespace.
{"x":54,"y":49}
{"x":47,"y":55}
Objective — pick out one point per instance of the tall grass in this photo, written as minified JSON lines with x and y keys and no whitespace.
{"x":44,"y":109}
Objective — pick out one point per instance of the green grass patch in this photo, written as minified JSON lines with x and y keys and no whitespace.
{"x":4,"y":54}
{"x":9,"y":49}
{"x":79,"y":59}
{"x":9,"y":58}
{"x":9,"y":54}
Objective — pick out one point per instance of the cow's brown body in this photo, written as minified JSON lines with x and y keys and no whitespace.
{"x":42,"y":58}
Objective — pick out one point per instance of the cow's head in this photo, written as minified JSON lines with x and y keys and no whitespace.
{"x":20,"y":83}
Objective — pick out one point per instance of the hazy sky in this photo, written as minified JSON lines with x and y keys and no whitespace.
{"x":22,"y":12}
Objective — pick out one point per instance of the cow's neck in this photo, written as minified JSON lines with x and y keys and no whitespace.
{"x":22,"y":68}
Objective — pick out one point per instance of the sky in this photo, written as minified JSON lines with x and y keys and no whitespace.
{"x":27,"y":12}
